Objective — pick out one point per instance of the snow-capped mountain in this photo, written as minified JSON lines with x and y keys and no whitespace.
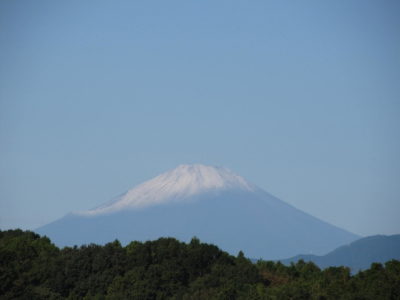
{"x":179,"y":184}
{"x":211,"y":203}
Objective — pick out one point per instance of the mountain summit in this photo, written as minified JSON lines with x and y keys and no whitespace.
{"x":212,"y":203}
{"x":179,"y":184}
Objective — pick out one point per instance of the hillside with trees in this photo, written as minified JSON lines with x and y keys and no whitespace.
{"x":31,"y":267}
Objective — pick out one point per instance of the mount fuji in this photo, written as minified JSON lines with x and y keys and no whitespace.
{"x":212,"y":203}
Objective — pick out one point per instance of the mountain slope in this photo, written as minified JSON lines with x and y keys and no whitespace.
{"x":211,"y":203}
{"x":358,"y":255}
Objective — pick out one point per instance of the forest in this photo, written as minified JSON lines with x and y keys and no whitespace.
{"x":31,"y":267}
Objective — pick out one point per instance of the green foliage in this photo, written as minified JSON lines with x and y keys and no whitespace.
{"x":31,"y":267}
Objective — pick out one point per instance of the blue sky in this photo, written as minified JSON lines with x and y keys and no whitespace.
{"x":300,"y":98}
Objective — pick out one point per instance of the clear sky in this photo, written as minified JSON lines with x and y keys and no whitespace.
{"x":301,"y":98}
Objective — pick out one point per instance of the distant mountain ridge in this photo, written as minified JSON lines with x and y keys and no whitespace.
{"x":358,"y":255}
{"x":212,"y":203}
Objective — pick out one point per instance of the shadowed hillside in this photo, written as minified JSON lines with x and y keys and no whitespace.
{"x":358,"y":255}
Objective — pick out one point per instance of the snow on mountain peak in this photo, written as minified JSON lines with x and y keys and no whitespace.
{"x":175,"y":185}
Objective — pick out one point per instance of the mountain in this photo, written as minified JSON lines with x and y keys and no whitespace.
{"x":358,"y":255}
{"x":211,"y":203}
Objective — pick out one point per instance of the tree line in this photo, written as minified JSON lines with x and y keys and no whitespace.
{"x":31,"y":267}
